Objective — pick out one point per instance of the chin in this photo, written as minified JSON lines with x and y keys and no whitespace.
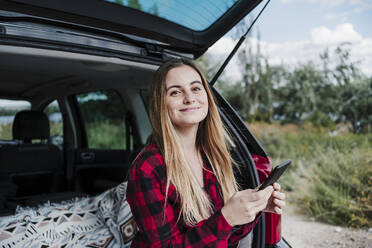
{"x":189,"y":123}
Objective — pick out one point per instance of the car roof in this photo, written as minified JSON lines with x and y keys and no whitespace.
{"x":184,"y":26}
{"x":24,"y":76}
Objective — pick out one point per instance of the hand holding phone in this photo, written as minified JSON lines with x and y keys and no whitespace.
{"x":275,"y":174}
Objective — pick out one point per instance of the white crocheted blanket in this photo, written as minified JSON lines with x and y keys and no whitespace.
{"x":101,"y":221}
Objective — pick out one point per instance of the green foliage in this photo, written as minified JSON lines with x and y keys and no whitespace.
{"x":357,"y":105}
{"x":6,"y":131}
{"x":51,"y":109}
{"x":106,"y":135}
{"x":210,"y":69}
{"x":103,"y":115}
{"x":56,"y":128}
{"x":154,"y":10}
{"x":101,"y":106}
{"x":331,"y":176}
{"x":256,"y":85}
{"x":298,"y":98}
{"x":340,"y":191}
{"x":8,"y":112}
{"x":336,"y":92}
{"x":134,"y":4}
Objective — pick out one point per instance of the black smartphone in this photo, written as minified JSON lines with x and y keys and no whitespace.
{"x":275,"y":174}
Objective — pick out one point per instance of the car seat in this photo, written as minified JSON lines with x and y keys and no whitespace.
{"x":32,"y":164}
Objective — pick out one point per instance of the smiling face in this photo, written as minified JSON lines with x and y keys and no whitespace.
{"x":186,"y":98}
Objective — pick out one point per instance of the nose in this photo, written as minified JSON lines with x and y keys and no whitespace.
{"x":188,"y":98}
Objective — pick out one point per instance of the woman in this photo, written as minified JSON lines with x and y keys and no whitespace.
{"x":181,"y":189}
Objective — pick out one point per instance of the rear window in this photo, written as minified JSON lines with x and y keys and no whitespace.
{"x":196,"y":15}
{"x":8,"y":109}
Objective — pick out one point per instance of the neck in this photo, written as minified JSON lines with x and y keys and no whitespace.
{"x":188,"y":138}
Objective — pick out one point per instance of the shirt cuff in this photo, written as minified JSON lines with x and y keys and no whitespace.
{"x":221,"y":228}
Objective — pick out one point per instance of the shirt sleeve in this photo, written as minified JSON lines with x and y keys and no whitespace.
{"x":158,"y":227}
{"x":242,"y":231}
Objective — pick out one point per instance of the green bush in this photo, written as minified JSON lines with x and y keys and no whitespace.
{"x":340,"y":189}
{"x":106,"y":135}
{"x":331,"y":176}
{"x":6,"y":131}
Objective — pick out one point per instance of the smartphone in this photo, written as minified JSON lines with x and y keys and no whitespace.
{"x":275,"y":174}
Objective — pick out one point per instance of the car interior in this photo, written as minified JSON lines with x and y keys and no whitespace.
{"x":33,"y":170}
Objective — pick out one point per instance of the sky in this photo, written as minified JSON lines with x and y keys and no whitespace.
{"x":293,"y":31}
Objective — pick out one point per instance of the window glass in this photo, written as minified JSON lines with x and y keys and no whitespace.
{"x":145,"y":95}
{"x":55,"y":123}
{"x":193,"y":14}
{"x":8,"y":109}
{"x":104,"y":118}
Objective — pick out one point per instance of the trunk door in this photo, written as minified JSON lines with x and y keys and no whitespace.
{"x":184,"y":26}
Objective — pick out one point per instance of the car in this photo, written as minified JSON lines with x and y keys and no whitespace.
{"x":80,"y":71}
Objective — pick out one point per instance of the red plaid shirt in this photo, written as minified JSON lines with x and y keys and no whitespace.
{"x":146,"y":196}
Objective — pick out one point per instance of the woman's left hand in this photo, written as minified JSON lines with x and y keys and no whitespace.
{"x":276,"y":202}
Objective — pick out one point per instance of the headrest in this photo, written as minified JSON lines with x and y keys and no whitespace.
{"x":30,"y":124}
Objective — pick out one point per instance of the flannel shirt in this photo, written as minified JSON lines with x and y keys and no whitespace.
{"x":146,"y":197}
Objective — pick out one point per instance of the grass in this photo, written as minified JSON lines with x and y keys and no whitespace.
{"x":331,"y":176}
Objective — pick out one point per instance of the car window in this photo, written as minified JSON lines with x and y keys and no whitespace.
{"x":55,"y":123}
{"x":8,"y":109}
{"x":145,"y":95}
{"x":191,"y":14}
{"x":104,"y":119}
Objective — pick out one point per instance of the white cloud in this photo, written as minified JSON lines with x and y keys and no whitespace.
{"x":293,"y":52}
{"x":223,"y":46}
{"x":342,"y":33}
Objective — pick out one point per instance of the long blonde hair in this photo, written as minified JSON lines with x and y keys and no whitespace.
{"x":211,"y":139}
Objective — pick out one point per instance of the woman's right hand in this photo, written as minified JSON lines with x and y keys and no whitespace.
{"x":244,"y":205}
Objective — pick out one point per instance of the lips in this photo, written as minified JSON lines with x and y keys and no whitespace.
{"x":189,"y":109}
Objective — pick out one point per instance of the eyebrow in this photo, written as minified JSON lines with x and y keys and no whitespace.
{"x":178,"y":86}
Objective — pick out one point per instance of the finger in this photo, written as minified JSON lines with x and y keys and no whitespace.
{"x":262,"y":195}
{"x":276,"y":186}
{"x":279,"y":203}
{"x":253,"y":198}
{"x":266,"y":191}
{"x":279,"y":195}
{"x":263,"y":201}
{"x":278,"y":210}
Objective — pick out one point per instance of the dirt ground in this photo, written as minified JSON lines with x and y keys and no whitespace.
{"x":301,"y":232}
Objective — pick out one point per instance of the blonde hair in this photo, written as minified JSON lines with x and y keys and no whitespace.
{"x":211,"y":139}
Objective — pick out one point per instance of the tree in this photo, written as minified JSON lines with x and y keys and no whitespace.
{"x":357,"y":107}
{"x":297,"y":99}
{"x":257,"y":83}
{"x":134,"y":4}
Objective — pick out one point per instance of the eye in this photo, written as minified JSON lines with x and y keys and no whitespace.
{"x":174,"y":92}
{"x":197,"y":88}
